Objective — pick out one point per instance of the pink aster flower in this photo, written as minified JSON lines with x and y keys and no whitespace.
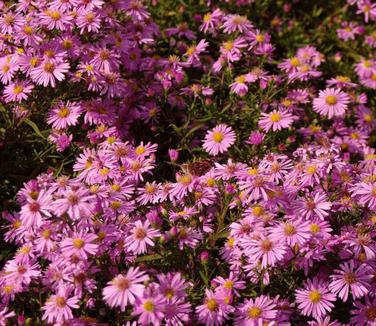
{"x":48,"y":72}
{"x":219,"y":139}
{"x":213,"y":311}
{"x":276,"y":120}
{"x":255,"y":312}
{"x":332,"y":102}
{"x":350,"y":277}
{"x":264,"y":249}
{"x":194,"y":51}
{"x":53,"y":18}
{"x":21,"y":272}
{"x":124,"y":289}
{"x":58,"y":307}
{"x":80,"y":244}
{"x":314,"y":299}
{"x":364,"y":313}
{"x":17,"y":92}
{"x":365,"y":193}
{"x":141,"y":237}
{"x":75,"y":202}
{"x":63,"y":115}
{"x":311,"y":206}
{"x":36,"y":209}
{"x":150,"y":310}
{"x":234,"y":23}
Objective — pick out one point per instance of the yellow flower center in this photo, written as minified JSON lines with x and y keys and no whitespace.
{"x":207,"y":17}
{"x":148,"y":306}
{"x":63,"y":112}
{"x":78,"y":243}
{"x":212,"y":304}
{"x":140,"y":150}
{"x":217,"y":136}
{"x":240,"y":79}
{"x":55,"y":15}
{"x":191,"y":50}
{"x":46,"y":233}
{"x":18,"y":89}
{"x":289,"y":229}
{"x":228,"y":284}
{"x":275,"y":117}
{"x":28,"y":30}
{"x":254,"y":312}
{"x":60,"y":302}
{"x":294,"y":61}
{"x":260,"y":38}
{"x":266,"y":245}
{"x":314,"y":296}
{"x":49,"y":67}
{"x":331,"y":100}
{"x":228,"y":45}
{"x":185,"y":179}
{"x":311,"y":169}
{"x":315,"y":228}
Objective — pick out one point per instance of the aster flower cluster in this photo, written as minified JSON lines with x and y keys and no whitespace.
{"x":215,"y":183}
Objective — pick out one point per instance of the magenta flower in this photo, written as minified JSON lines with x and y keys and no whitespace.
{"x":315,"y":299}
{"x":276,"y":120}
{"x":124,"y":289}
{"x":219,"y":139}
{"x":48,"y":72}
{"x":364,"y":313}
{"x":311,"y":206}
{"x":58,"y":307}
{"x":17,"y":92}
{"x":258,"y":311}
{"x":150,"y":310}
{"x":75,"y":202}
{"x":63,"y":115}
{"x":332,"y":102}
{"x":141,"y":237}
{"x":79,"y":244}
{"x":264,"y":249}
{"x":351,"y":278}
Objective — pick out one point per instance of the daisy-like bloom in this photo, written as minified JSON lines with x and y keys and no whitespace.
{"x":314,"y":299}
{"x":255,"y":312}
{"x":365,"y":193}
{"x":79,"y":244}
{"x":36,"y":209}
{"x":58,"y":307}
{"x":141,"y":237}
{"x":311,"y":206}
{"x":231,"y":284}
{"x":211,"y":20}
{"x":235,"y":23}
{"x":219,"y":139}
{"x":150,"y":310}
{"x":294,"y":231}
{"x":276,"y":120}
{"x":350,"y":277}
{"x":172,"y":286}
{"x":364,"y":314}
{"x":75,"y":202}
{"x":332,"y":102}
{"x":21,"y":272}
{"x":268,"y":251}
{"x":63,"y":115}
{"x":194,"y":51}
{"x":124,"y":289}
{"x":213,"y":311}
{"x":53,"y":18}
{"x":49,"y":71}
{"x":17,"y":92}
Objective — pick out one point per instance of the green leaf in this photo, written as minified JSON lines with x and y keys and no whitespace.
{"x":35,"y":128}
